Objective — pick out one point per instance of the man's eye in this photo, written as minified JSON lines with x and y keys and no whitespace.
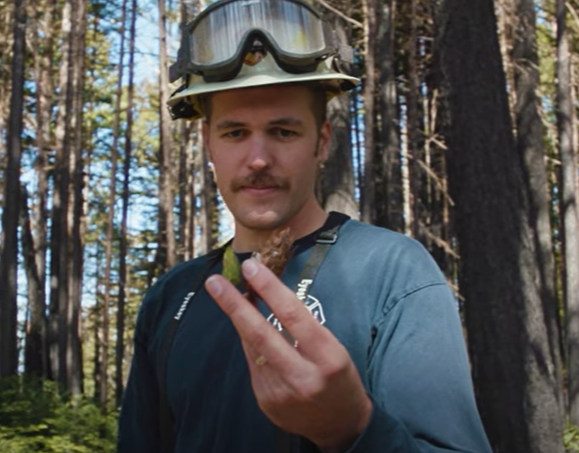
{"x":284,"y":133}
{"x":233,"y":134}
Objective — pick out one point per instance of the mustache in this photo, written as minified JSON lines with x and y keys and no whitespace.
{"x":259,"y":180}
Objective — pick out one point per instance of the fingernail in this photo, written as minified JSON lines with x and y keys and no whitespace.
{"x":213,"y":286}
{"x":249,"y":268}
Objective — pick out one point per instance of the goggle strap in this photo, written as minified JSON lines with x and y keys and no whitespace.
{"x":176,"y":71}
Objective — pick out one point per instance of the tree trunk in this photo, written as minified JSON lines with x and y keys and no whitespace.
{"x":66,"y":241}
{"x":110,"y":238}
{"x":569,"y":210}
{"x":529,"y":142}
{"x":389,"y":209}
{"x":186,"y":193}
{"x":368,"y":198}
{"x":337,"y":177}
{"x":6,"y":53}
{"x":59,"y":238}
{"x":208,"y":205}
{"x":123,"y":245}
{"x":186,"y":166}
{"x":34,"y":352}
{"x":509,"y":27}
{"x":97,"y":319}
{"x":516,"y":386}
{"x":356,"y":118}
{"x":10,"y":214}
{"x":76,"y":216}
{"x":413,"y":127}
{"x":405,"y":176}
{"x":166,"y":250}
{"x":44,"y":97}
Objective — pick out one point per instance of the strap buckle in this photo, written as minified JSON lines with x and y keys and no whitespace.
{"x":327,"y":237}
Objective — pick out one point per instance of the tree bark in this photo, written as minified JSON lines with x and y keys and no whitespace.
{"x":166,"y":250}
{"x":66,"y":240}
{"x":10,"y":214}
{"x":34,"y":352}
{"x":76,"y":214}
{"x":569,"y":210}
{"x":509,"y":27}
{"x":43,"y":68}
{"x":208,"y":202}
{"x":368,"y":198}
{"x":59,"y":231}
{"x":337,"y":178}
{"x":186,"y":165}
{"x":110,"y":238}
{"x":529,"y":142}
{"x":355,"y":115}
{"x":516,"y":386}
{"x":413,"y":217}
{"x":389,"y":209}
{"x":6,"y":49}
{"x":97,"y":319}
{"x":111,"y":218}
{"x":186,"y":193}
{"x":123,"y":245}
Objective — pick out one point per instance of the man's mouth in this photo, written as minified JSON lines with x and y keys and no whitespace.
{"x":259,"y":190}
{"x":260,"y":186}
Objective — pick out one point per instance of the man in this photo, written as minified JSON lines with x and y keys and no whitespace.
{"x":358,"y":348}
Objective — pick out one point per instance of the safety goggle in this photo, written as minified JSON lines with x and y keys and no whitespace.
{"x":215,"y":43}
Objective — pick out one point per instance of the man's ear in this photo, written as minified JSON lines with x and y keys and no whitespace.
{"x":324,"y":141}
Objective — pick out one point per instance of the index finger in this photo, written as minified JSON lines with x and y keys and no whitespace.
{"x":314,"y":339}
{"x":253,"y":329}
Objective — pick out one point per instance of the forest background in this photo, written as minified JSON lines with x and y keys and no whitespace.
{"x":462,"y":135}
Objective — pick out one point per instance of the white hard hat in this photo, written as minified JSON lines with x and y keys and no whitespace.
{"x":247,"y":43}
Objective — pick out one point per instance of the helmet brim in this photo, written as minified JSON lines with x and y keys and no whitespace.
{"x":265,"y":73}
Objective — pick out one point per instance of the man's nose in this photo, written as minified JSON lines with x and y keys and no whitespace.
{"x":259,"y":154}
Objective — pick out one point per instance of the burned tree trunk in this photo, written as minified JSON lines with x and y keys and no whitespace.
{"x":517,"y":387}
{"x":10,"y":214}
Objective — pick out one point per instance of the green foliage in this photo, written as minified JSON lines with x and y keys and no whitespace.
{"x":571,"y":439}
{"x":231,"y":267}
{"x":34,"y":418}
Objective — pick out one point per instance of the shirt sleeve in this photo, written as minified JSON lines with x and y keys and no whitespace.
{"x":139,"y":418}
{"x":419,"y":380}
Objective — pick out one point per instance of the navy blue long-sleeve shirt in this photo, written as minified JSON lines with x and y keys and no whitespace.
{"x":385,"y":300}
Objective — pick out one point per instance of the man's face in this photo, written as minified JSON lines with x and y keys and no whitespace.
{"x":266,"y":150}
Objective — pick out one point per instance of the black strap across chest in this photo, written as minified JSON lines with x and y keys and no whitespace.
{"x":285,"y":443}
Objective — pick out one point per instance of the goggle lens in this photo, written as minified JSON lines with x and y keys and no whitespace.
{"x":294,"y":28}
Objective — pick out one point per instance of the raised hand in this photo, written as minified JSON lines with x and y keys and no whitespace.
{"x":313,"y":390}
